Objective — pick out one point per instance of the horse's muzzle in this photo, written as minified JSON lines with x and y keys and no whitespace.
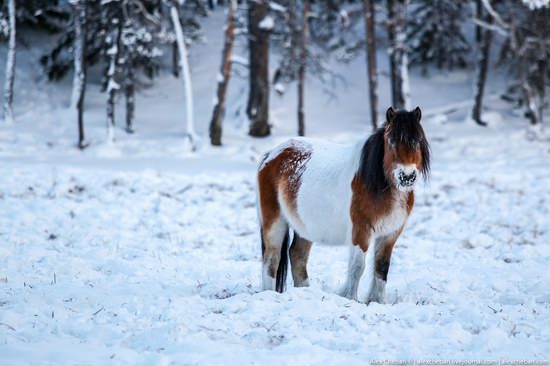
{"x":406,"y":180}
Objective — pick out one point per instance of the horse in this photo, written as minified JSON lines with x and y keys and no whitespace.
{"x":359,"y":195}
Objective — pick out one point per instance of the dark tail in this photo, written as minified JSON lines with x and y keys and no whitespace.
{"x":280,"y":282}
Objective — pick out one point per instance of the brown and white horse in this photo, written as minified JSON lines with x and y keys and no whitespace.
{"x":359,"y":195}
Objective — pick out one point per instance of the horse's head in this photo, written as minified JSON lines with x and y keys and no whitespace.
{"x":406,"y":150}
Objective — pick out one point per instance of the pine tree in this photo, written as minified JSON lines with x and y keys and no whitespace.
{"x":526,"y":52}
{"x":435,"y":34}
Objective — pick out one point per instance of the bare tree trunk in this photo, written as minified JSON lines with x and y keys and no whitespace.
{"x":79,"y":82}
{"x":258,"y":97}
{"x":482,"y":70}
{"x":397,"y":51}
{"x":219,"y":108}
{"x":185,"y":71}
{"x":129,"y":91}
{"x":175,"y":63}
{"x":10,"y":65}
{"x":370,"y":36}
{"x":112,"y":85}
{"x":302,"y":68}
{"x":479,"y":12}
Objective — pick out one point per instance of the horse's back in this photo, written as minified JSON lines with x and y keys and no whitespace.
{"x":313,"y":186}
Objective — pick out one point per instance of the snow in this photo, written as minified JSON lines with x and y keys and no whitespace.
{"x":153,"y":267}
{"x":536,"y":4}
{"x":277,"y":7}
{"x":142,"y":252}
{"x":267,"y":23}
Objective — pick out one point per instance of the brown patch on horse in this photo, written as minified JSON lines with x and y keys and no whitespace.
{"x":281,"y":174}
{"x":409,"y":156}
{"x":410,"y":203}
{"x":366,"y":210}
{"x":267,"y":193}
{"x":299,"y":254}
{"x":383,"y":255}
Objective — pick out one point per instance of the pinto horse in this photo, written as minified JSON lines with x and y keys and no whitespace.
{"x":360,"y":195}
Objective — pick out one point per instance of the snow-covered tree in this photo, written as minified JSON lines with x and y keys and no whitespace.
{"x":305,"y":36}
{"x":526,"y":51}
{"x":128,"y":38}
{"x":435,"y":33}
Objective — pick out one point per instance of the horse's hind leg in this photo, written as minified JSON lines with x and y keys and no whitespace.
{"x":299,"y":254}
{"x":274,"y":238}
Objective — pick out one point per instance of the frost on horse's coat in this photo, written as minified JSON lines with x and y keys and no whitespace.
{"x":359,"y":195}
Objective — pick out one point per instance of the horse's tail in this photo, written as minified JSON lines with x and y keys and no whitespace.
{"x":280,"y":282}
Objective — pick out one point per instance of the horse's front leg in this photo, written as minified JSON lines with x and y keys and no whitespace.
{"x":356,"y":267}
{"x":382,"y":258}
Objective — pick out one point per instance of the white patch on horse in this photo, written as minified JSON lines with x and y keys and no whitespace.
{"x":395,"y":219}
{"x":324,"y":198}
{"x":378,"y":291}
{"x":274,"y":239}
{"x":268,"y":282}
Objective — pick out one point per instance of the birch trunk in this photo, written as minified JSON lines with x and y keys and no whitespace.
{"x":10,"y":65}
{"x":112,"y":85}
{"x":79,"y":81}
{"x":185,"y":72}
{"x":225,"y":74}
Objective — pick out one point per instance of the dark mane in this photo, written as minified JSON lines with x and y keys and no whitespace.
{"x":405,"y":129}
{"x":371,"y":168}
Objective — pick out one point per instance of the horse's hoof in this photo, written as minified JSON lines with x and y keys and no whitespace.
{"x":381,"y":299}
{"x":304,"y":283}
{"x":346,"y":292}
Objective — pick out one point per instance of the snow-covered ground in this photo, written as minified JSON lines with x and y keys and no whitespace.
{"x":145,"y":253}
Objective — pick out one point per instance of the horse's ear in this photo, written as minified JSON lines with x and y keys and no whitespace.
{"x":417,"y":113}
{"x":390,"y":114}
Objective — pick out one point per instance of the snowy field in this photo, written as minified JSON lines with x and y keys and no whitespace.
{"x":144,"y":253}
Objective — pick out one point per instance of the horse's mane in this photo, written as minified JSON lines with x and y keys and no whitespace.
{"x":371,"y":166}
{"x":404,"y":129}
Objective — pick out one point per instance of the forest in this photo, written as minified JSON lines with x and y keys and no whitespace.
{"x":137,"y":137}
{"x":129,"y":40}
